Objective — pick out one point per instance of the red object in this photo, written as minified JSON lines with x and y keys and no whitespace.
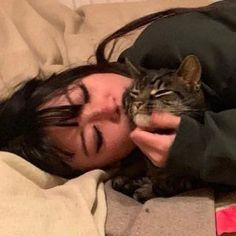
{"x":226,"y":220}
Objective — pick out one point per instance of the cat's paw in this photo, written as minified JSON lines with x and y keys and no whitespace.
{"x":145,"y":191}
{"x":124,"y":185}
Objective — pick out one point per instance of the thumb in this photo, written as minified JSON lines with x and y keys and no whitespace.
{"x":164,"y":120}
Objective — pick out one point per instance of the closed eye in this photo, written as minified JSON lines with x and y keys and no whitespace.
{"x":82,"y":96}
{"x":85,"y":92}
{"x":162,"y":93}
{"x":84,"y":147}
{"x":167,"y":92}
{"x":181,"y":96}
{"x":98,"y":138}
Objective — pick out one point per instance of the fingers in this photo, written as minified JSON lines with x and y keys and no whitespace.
{"x":164,"y":120}
{"x":150,"y":139}
{"x":154,"y":146}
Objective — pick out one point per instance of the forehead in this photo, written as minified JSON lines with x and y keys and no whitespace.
{"x":96,"y":80}
{"x":59,"y":99}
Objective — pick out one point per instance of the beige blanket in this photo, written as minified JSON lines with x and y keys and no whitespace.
{"x":42,"y":36}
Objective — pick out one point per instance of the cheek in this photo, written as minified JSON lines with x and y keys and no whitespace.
{"x":118,"y":142}
{"x":65,"y":138}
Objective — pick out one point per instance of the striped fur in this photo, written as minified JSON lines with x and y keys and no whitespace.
{"x":176,"y":91}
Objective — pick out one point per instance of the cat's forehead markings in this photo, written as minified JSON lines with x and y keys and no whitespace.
{"x":153,"y":91}
{"x":156,"y":77}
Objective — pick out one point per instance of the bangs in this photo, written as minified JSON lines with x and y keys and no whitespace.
{"x":62,"y":116}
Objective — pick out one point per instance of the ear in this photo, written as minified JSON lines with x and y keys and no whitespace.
{"x":190,"y":71}
{"x":134,"y":72}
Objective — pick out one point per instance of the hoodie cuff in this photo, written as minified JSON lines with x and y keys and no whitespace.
{"x":186,"y":153}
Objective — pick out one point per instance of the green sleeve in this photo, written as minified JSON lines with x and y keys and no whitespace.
{"x":206,"y":150}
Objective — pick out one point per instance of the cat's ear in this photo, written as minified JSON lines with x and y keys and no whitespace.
{"x":134,"y":72}
{"x":190,"y":71}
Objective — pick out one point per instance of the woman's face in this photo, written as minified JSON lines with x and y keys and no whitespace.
{"x":102,"y":135}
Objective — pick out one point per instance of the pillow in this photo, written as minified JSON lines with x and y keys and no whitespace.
{"x":43,"y":37}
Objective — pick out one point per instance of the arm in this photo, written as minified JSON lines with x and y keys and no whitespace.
{"x":202,"y":150}
{"x":206,"y":150}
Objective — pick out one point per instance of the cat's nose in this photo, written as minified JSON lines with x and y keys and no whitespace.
{"x":138,"y":104}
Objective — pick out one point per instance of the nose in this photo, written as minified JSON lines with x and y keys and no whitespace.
{"x":138,"y":104}
{"x":103,"y":109}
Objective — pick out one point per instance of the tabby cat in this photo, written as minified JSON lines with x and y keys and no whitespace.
{"x":176,"y":91}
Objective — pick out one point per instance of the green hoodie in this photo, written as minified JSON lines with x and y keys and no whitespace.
{"x":206,"y":150}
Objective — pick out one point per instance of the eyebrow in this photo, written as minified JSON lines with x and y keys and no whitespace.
{"x":83,"y":143}
{"x":84,"y":91}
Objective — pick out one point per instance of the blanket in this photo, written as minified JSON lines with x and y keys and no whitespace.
{"x":44,"y":37}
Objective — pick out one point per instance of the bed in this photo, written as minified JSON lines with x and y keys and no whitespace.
{"x":46,"y":37}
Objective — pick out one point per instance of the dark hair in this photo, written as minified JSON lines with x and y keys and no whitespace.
{"x":22,"y":122}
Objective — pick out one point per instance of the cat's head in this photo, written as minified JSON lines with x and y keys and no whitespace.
{"x":176,"y":91}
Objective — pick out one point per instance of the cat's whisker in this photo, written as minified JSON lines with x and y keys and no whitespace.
{"x":153,"y":106}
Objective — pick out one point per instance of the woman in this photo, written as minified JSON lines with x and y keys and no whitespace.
{"x":74,"y":121}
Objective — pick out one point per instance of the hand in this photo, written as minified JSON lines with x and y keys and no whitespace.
{"x":156,"y":145}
